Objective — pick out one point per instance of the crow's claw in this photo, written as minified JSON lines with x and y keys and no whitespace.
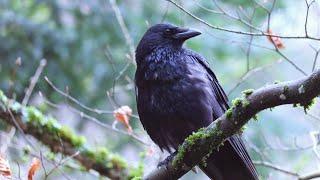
{"x":167,"y":160}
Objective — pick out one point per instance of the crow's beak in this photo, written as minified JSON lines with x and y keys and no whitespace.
{"x":184,"y":34}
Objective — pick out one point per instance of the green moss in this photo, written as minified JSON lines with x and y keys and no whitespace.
{"x":178,"y":158}
{"x":102,"y":154}
{"x":52,"y":125}
{"x":247,"y":92}
{"x":191,"y":140}
{"x":67,"y":134}
{"x":34,"y":116}
{"x":137,"y":173}
{"x":255,"y":117}
{"x":229,"y":113}
{"x":245,"y":103}
{"x":308,"y":105}
{"x":117,"y":161}
{"x":79,"y":141}
{"x":242,"y":129}
{"x":237,"y":102}
{"x":88,"y":153}
{"x":41,"y":124}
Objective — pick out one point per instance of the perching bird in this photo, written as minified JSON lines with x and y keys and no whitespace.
{"x":177,"y":93}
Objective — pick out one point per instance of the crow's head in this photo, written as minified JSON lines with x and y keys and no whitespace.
{"x":163,"y":35}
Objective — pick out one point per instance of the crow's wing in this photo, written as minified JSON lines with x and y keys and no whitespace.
{"x":235,"y":140}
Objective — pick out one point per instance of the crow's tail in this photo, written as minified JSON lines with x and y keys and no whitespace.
{"x":231,"y":162}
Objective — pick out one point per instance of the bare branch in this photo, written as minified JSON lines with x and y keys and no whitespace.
{"x":310,"y":176}
{"x":275,"y":167}
{"x":124,"y":29}
{"x":250,"y":73}
{"x":96,"y":121}
{"x":238,"y":31}
{"x":290,"y":61}
{"x":307,"y":16}
{"x":191,"y":153}
{"x":33,"y":81}
{"x":224,"y":12}
{"x":74,"y":100}
{"x":315,"y":57}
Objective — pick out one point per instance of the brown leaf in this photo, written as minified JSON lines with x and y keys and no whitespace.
{"x":122,"y":115}
{"x":35,"y":165}
{"x":276,"y":41}
{"x":5,"y":172}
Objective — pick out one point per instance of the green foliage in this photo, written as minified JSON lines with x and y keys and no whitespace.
{"x":41,"y":125}
{"x":137,"y":173}
{"x":247,"y":92}
{"x":307,"y":105}
{"x":192,"y":140}
{"x":237,"y":102}
{"x":229,"y":113}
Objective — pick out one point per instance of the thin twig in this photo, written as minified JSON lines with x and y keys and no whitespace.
{"x":224,"y":40}
{"x":307,"y":17}
{"x":275,"y":167}
{"x":249,"y":73}
{"x":61,"y":163}
{"x":95,"y":120}
{"x":124,"y":29}
{"x":74,"y":100}
{"x":224,"y":12}
{"x":33,"y":81}
{"x":315,"y":57}
{"x":289,"y":61}
{"x":15,"y":122}
{"x":237,"y":31}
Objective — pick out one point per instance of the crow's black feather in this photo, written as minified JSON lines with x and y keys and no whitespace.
{"x":177,"y":93}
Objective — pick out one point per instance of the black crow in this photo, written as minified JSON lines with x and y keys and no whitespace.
{"x":178,"y":93}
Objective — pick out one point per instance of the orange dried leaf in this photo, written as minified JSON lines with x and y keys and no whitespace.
{"x":276,"y":41}
{"x":35,"y":165}
{"x":122,"y":115}
{"x":5,"y":172}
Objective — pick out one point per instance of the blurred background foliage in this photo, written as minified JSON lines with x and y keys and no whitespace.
{"x":87,"y":52}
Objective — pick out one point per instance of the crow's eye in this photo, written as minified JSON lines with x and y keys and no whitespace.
{"x":168,"y":31}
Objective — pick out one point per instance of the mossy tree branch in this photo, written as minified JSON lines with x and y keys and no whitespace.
{"x":198,"y":145}
{"x":61,"y":139}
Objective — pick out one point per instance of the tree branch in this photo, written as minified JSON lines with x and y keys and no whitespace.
{"x":61,"y":139}
{"x":261,"y":33}
{"x":198,"y":145}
